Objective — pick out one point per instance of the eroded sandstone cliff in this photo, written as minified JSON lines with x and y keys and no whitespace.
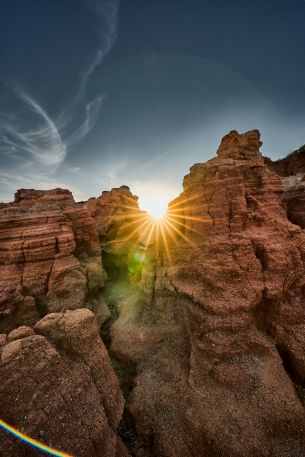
{"x":49,"y":256}
{"x":217,"y":337}
{"x":292,"y":171}
{"x":58,"y":386}
{"x":202,"y":316}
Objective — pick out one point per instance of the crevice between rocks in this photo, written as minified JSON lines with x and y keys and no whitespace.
{"x":263,"y":316}
{"x":118,"y":273}
{"x":288,"y":365}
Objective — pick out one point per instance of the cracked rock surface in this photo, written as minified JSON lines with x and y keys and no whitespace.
{"x":58,"y":385}
{"x":198,"y":349}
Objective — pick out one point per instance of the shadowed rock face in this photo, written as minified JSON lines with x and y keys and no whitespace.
{"x":294,"y":198}
{"x":116,"y":213}
{"x":206,"y":335}
{"x":291,"y":165}
{"x":292,"y":171}
{"x":58,"y":386}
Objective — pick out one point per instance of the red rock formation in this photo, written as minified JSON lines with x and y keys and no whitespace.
{"x":292,"y":169}
{"x":294,"y":198}
{"x":291,"y":165}
{"x":58,"y":386}
{"x":206,"y":331}
{"x":120,"y":229}
{"x":217,"y":329}
{"x":116,"y":213}
{"x":49,"y":256}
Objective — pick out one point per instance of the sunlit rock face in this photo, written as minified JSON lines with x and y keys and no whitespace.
{"x":217,"y":333}
{"x":49,"y":256}
{"x":240,"y":146}
{"x":202,"y":315}
{"x":58,"y":386}
{"x":119,"y":223}
{"x":118,"y":219}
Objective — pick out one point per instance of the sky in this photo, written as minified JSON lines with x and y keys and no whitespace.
{"x":95,"y":94}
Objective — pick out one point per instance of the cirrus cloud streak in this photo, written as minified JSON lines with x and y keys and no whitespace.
{"x":34,"y":144}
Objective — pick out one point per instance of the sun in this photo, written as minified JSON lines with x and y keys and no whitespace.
{"x":156,"y":209}
{"x":156,"y":224}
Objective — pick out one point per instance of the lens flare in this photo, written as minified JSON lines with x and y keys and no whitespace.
{"x":162,"y":227}
{"x":34,"y":443}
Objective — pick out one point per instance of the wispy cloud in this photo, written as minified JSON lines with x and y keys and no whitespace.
{"x":107,"y":16}
{"x":31,"y":143}
{"x":91,"y":114}
{"x":73,"y":169}
{"x":34,"y":143}
{"x":114,"y":170}
{"x":32,"y":136}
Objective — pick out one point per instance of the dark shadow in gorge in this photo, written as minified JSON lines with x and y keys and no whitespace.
{"x":264,"y":318}
{"x":289,"y":367}
{"x":123,"y":273}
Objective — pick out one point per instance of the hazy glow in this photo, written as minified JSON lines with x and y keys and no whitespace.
{"x":154,"y":197}
{"x":155,"y":208}
{"x":178,"y":222}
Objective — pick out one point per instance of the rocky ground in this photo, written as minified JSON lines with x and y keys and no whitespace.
{"x":188,"y":341}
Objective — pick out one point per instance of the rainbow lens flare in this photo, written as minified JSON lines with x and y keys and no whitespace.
{"x":36,"y":444}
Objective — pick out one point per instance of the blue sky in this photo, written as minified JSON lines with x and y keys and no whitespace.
{"x":100,"y":93}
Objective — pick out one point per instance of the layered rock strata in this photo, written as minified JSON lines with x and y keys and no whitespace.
{"x":118,"y":218}
{"x":206,"y":321}
{"x":216,"y":332}
{"x":49,"y":256}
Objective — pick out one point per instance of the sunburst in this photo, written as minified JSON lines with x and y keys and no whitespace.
{"x":159,"y":230}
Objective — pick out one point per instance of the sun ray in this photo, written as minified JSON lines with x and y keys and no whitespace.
{"x":138,"y":221}
{"x":187,"y":208}
{"x":162,"y":233}
{"x":191,"y":218}
{"x":125,"y":216}
{"x":157,"y":236}
{"x":186,"y":199}
{"x":146,"y":229}
{"x":169,"y":233}
{"x":141,"y":226}
{"x":152,"y":228}
{"x":167,"y":250}
{"x":179,"y":233}
{"x":186,"y":226}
